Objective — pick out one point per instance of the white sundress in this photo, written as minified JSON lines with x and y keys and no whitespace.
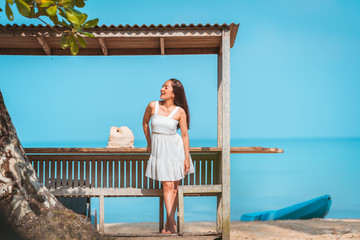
{"x":166,"y":162}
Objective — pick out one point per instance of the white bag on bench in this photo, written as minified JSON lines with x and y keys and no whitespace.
{"x":121,"y":137}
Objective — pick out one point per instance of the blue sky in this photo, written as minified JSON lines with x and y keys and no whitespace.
{"x":294,"y":74}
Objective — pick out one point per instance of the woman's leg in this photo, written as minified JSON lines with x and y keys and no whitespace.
{"x":168,"y":193}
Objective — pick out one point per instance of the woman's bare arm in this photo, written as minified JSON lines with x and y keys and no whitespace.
{"x":146,"y":128}
{"x":185,"y":138}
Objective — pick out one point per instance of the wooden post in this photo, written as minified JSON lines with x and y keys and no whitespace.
{"x":180,"y":213}
{"x":161,"y":212}
{"x":101,"y":214}
{"x":224,"y":129}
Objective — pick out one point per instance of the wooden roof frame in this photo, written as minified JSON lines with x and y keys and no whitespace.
{"x":118,"y":40}
{"x":149,"y":40}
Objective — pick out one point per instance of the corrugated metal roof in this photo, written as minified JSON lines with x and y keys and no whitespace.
{"x":144,"y":26}
{"x":118,"y":40}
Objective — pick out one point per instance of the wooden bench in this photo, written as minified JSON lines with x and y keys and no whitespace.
{"x":114,"y":175}
{"x":103,"y":172}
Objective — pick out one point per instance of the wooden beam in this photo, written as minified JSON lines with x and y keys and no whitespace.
{"x":225,"y":153}
{"x":143,"y":150}
{"x":103,"y":45}
{"x":180,"y":213}
{"x":219,"y":101}
{"x":44,"y":45}
{"x":101,"y":215}
{"x":162,"y":46}
{"x":106,"y":192}
{"x":161,"y":213}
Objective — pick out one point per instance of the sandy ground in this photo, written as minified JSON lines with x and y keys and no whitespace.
{"x":285,"y":229}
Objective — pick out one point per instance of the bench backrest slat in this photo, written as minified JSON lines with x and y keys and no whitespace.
{"x":114,"y":171}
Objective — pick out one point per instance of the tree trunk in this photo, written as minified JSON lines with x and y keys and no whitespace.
{"x":25,"y":204}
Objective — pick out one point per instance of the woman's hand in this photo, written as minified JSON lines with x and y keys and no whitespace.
{"x":186,"y":166}
{"x":148,"y":148}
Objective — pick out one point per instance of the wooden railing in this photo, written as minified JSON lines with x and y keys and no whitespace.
{"x":120,"y":172}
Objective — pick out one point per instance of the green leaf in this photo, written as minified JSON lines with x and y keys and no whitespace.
{"x":82,"y":19}
{"x":65,"y":41}
{"x":73,"y":15}
{"x":91,"y":23}
{"x":23,"y":8}
{"x":81,"y":41}
{"x":52,"y":11}
{"x":54,"y":19}
{"x":67,"y":3}
{"x":40,"y":12}
{"x":74,"y":48}
{"x":32,"y":13}
{"x":10,"y":2}
{"x":87,"y":34}
{"x":9,"y":12}
{"x":64,"y":24}
{"x":79,"y":3}
{"x":47,"y":4}
{"x":62,"y":13}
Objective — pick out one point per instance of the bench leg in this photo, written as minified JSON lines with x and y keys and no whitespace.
{"x":219,"y":214}
{"x":161,"y":212}
{"x":180,"y":214}
{"x":101,"y":214}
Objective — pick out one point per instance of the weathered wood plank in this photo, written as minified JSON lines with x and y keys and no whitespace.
{"x":142,"y":150}
{"x":225,"y":153}
{"x":208,"y":171}
{"x":63,"y":177}
{"x":140,"y":173}
{"x":116,"y":174}
{"x":104,"y":173}
{"x":35,"y":166}
{"x":103,"y":45}
{"x":53,"y":167}
{"x":41,"y":172}
{"x":180,"y":214}
{"x":58,"y":174}
{"x":87,"y":174}
{"x":127,"y":162}
{"x":122,"y":176}
{"x":93,"y":173}
{"x":106,"y":192}
{"x":101,"y":215}
{"x":76,"y":174}
{"x":44,"y":45}
{"x":151,"y":183}
{"x":70,"y":174}
{"x":215,"y":189}
{"x":47,"y":174}
{"x":81,"y":182}
{"x":219,"y":213}
{"x":162,"y":46}
{"x":133,"y":173}
{"x":145,"y":179}
{"x":197,"y":172}
{"x":99,"y":171}
{"x":111,"y":173}
{"x":203,"y":172}
{"x":161,"y":213}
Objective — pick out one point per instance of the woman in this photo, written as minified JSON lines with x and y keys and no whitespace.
{"x":170,"y":159}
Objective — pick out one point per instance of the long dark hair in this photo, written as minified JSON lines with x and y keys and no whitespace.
{"x":180,"y":98}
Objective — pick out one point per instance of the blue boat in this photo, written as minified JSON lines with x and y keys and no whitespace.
{"x":314,"y":208}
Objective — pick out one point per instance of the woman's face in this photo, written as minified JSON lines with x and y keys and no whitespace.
{"x":166,"y":91}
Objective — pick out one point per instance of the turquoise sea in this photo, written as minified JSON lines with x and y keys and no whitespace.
{"x":308,"y":168}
